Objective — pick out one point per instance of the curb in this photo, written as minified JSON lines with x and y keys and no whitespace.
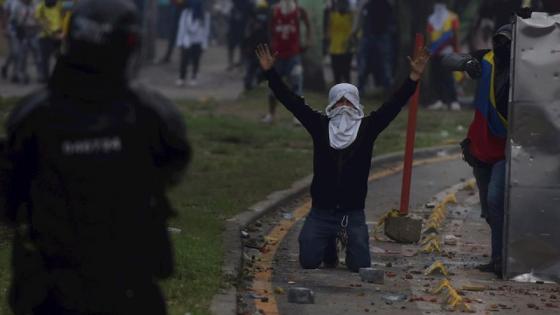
{"x":225,"y":302}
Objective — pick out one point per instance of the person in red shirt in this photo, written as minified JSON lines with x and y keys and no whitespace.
{"x":285,"y":38}
{"x":484,"y":147}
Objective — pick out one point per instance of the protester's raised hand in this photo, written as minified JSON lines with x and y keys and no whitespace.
{"x":266,"y":59}
{"x":418,"y":63}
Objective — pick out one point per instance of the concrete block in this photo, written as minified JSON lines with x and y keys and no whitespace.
{"x":372,"y":275}
{"x":403,"y":229}
{"x":301,"y":295}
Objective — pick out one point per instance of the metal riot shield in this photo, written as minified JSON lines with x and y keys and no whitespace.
{"x":532,"y":219}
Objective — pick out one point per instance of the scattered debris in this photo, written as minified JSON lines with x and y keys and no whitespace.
{"x":470,"y":185}
{"x":372,"y":275}
{"x":378,"y":250}
{"x":255,"y":296}
{"x":432,"y":246}
{"x":450,"y":240}
{"x":474,"y":287}
{"x":394,"y":297}
{"x":444,"y":284}
{"x":403,"y":229}
{"x":430,"y":299}
{"x":301,"y":295}
{"x":287,"y":215}
{"x":279,"y":290}
{"x":430,"y":205}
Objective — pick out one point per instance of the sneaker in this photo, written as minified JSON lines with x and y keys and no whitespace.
{"x":455,"y":106}
{"x":268,"y":119}
{"x":193,"y":82}
{"x":439,"y":105}
{"x":180,"y":82}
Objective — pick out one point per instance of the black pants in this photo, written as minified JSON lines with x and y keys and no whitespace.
{"x":252,"y":70}
{"x":48,"y":47}
{"x":341,"y":67}
{"x":444,"y":84}
{"x":172,"y":36}
{"x":190,"y":55}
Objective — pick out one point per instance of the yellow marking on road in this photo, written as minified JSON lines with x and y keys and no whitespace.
{"x":262,"y":282}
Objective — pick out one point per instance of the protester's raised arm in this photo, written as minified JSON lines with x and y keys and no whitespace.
{"x":390,"y":109}
{"x":293,"y":102}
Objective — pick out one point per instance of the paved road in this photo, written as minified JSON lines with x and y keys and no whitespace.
{"x":341,"y":292}
{"x":214,"y":81}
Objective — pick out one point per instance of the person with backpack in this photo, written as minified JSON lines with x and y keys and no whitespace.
{"x":85,"y":169}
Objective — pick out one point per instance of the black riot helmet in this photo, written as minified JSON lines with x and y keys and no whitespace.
{"x":501,"y":43}
{"x":102,"y":35}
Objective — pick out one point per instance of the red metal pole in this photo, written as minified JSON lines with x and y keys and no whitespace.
{"x":410,"y":137}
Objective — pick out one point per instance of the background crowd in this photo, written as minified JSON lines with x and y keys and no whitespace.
{"x":359,"y":39}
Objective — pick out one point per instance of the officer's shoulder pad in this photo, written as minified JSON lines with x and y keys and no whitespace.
{"x":26,"y":107}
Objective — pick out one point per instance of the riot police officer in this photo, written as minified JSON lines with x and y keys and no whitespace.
{"x":86,"y":166}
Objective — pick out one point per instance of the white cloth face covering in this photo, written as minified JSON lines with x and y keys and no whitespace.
{"x":344,"y":121}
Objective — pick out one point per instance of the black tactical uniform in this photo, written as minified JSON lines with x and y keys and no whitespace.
{"x":87,"y":163}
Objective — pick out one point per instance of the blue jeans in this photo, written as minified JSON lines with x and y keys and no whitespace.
{"x":317,"y":240}
{"x":374,"y":57}
{"x":252,"y":69}
{"x":291,"y":69}
{"x":491,"y":185}
{"x":28,"y":45}
{"x":13,"y":51}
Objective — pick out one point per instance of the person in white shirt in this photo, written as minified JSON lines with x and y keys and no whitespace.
{"x":192,"y":38}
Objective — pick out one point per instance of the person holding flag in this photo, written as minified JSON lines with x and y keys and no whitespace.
{"x":443,"y":37}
